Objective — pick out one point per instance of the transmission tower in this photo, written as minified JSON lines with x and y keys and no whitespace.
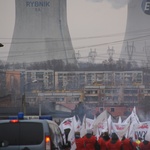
{"x":110,"y":52}
{"x":91,"y":56}
{"x":147,"y":53}
{"x":130,"y":49}
{"x":77,"y":55}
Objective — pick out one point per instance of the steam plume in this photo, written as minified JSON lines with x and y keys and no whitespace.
{"x":115,"y":3}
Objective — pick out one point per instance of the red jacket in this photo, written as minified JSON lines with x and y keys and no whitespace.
{"x":128,"y":145}
{"x":79,"y":143}
{"x":135,"y":145}
{"x":89,"y":142}
{"x":144,"y":146}
{"x":114,"y":146}
{"x":102,"y":144}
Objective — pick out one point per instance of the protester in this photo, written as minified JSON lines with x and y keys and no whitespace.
{"x":136,"y":147}
{"x":90,"y":140}
{"x":106,"y":136}
{"x":138,"y":141}
{"x":102,"y":140}
{"x":79,"y":141}
{"x":114,"y":143}
{"x":145,"y":145}
{"x":127,"y":144}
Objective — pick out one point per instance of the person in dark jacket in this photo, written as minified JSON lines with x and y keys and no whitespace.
{"x":127,"y":144}
{"x":103,"y":139}
{"x":90,"y":140}
{"x":114,"y":143}
{"x":79,"y":141}
{"x":145,"y":145}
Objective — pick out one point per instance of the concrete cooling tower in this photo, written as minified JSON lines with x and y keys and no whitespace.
{"x":41,"y":32}
{"x":136,"y":46}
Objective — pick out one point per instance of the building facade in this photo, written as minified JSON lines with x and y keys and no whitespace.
{"x":98,"y":90}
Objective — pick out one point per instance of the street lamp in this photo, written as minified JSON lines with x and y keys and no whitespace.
{"x":1,"y":45}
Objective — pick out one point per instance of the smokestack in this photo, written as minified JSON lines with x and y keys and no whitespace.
{"x":115,"y":3}
{"x":137,"y":30}
{"x":41,"y":32}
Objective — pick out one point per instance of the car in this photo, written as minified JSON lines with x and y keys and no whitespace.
{"x":30,"y":134}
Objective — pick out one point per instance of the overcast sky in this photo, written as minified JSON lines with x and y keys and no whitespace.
{"x":92,"y":22}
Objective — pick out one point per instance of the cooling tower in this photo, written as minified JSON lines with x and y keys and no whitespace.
{"x":136,"y":45}
{"x":41,"y":32}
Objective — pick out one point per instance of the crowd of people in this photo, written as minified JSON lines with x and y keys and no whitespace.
{"x":108,"y":142}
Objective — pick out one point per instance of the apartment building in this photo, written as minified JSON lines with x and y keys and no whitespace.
{"x":77,"y":80}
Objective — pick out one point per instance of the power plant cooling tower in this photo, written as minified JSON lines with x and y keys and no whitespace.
{"x":136,"y":45}
{"x":41,"y":32}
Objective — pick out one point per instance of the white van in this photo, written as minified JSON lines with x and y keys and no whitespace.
{"x":34,"y":134}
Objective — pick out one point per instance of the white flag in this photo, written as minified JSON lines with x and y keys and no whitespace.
{"x":65,"y":124}
{"x":76,"y":123}
{"x":83,"y":127}
{"x":101,"y":118}
{"x":109,"y":121}
{"x":89,"y":123}
{"x":120,"y":129}
{"x":147,"y":136}
{"x":100,"y":122}
{"x":119,"y":120}
{"x":71,"y":135}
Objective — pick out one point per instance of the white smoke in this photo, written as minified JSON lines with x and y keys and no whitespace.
{"x":115,"y":3}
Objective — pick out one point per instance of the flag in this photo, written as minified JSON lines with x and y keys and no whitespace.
{"x":71,"y":135}
{"x":76,"y":123}
{"x":134,"y":117}
{"x":120,"y":129}
{"x":119,"y":120}
{"x":83,"y":127}
{"x":101,"y":118}
{"x":141,"y":130}
{"x":100,"y":123}
{"x":89,"y":123}
{"x":65,"y":124}
{"x":147,"y":135}
{"x":109,"y":121}
{"x":133,"y":120}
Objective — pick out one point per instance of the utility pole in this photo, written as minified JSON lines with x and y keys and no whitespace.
{"x":110,"y":52}
{"x":147,"y":53}
{"x":130,"y":50}
{"x":24,"y":104}
{"x":78,"y":55}
{"x":91,"y":56}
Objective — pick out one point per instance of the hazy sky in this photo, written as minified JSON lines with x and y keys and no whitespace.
{"x":93,"y":24}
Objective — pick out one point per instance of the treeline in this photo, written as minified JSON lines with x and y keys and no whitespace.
{"x":59,"y":65}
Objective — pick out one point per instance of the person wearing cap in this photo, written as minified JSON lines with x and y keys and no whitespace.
{"x":79,"y":141}
{"x":114,"y":143}
{"x":90,"y":140}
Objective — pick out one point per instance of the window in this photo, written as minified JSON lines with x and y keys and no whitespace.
{"x":112,"y":109}
{"x":23,"y":133}
{"x":101,"y":109}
